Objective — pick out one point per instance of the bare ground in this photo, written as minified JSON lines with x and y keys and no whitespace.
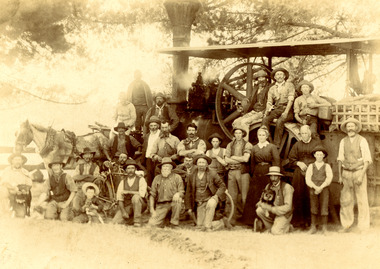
{"x":32,"y":243}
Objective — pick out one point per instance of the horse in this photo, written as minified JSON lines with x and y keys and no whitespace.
{"x":65,"y":144}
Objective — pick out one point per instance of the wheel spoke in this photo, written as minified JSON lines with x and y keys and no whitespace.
{"x":249,"y":81}
{"x":231,"y":117}
{"x":232,"y":91}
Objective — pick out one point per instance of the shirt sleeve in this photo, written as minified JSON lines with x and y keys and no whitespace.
{"x":70,"y":184}
{"x":329,"y":175}
{"x":341,"y":151}
{"x":248,"y":148}
{"x":76,"y":171}
{"x":134,"y":142}
{"x":154,"y":189}
{"x":180,"y":147}
{"x":291,"y":92}
{"x":119,"y":193}
{"x":366,"y":153}
{"x":309,"y":174}
{"x":270,"y":97}
{"x":202,"y":146}
{"x":288,"y":202}
{"x":228,"y":151}
{"x":142,"y":187}
{"x":96,"y":171}
{"x":296,"y":106}
{"x":180,"y":186}
{"x":154,"y":149}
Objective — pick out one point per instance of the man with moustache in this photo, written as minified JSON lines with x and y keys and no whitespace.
{"x":131,"y":196}
{"x":204,"y":191}
{"x":165,"y":145}
{"x":122,"y":142}
{"x":259,"y":102}
{"x":192,"y":145}
{"x":164,"y":112}
{"x":354,"y":157}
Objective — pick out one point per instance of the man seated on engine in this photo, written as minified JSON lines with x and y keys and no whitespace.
{"x":15,"y":197}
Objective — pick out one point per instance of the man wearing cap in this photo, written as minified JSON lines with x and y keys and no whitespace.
{"x":280,"y":213}
{"x":131,"y":196}
{"x":166,"y":145}
{"x":12,"y":178}
{"x":92,"y":206}
{"x":192,"y":144}
{"x":140,"y":96}
{"x":306,"y":106}
{"x":85,"y":171}
{"x":61,"y":190}
{"x":187,"y":166}
{"x":354,"y":157}
{"x":123,"y":143}
{"x":217,"y":154}
{"x":238,"y":152}
{"x":163,"y":111}
{"x":259,"y":102}
{"x":204,"y":191}
{"x":279,"y":103}
{"x":166,"y":195}
{"x":125,"y":111}
{"x":149,"y":141}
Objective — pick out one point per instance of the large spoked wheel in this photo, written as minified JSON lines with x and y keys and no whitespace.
{"x":234,"y":91}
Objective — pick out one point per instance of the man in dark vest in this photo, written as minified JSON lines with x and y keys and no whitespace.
{"x":61,"y":190}
{"x":277,"y":217}
{"x":131,"y":196}
{"x":238,"y":153}
{"x":85,"y":171}
{"x":164,"y":112}
{"x":204,"y":191}
{"x":192,"y":145}
{"x":140,"y":96}
{"x":354,"y":157}
{"x":122,"y":142}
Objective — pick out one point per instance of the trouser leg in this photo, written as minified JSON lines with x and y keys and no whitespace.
{"x":281,"y":225}
{"x":138,"y":207}
{"x":118,"y":218}
{"x":67,"y":213}
{"x":19,"y":209}
{"x":176,"y":210}
{"x":82,"y":218}
{"x":51,"y":210}
{"x":363,"y":206}
{"x":280,"y":125}
{"x":233,"y":190}
{"x":161,"y":212}
{"x":210,"y":212}
{"x":78,"y":202}
{"x":243,"y":182}
{"x":324,"y":202}
{"x":4,"y":201}
{"x":201,"y":214}
{"x":347,"y":200}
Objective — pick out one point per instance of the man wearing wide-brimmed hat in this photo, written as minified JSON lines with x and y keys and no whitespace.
{"x":150,"y":139}
{"x":131,"y":194}
{"x":203,"y":192}
{"x":163,"y":111}
{"x":140,"y":95}
{"x":306,"y":106}
{"x":12,"y":178}
{"x":123,"y":143}
{"x":354,"y":157}
{"x":85,"y":171}
{"x":279,"y":103}
{"x":238,"y":152}
{"x":125,"y":111}
{"x":280,"y":213}
{"x":166,"y":195}
{"x":61,"y":190}
{"x":259,"y":102}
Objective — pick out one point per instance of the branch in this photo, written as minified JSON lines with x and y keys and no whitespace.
{"x":320,"y":27}
{"x":328,"y":72}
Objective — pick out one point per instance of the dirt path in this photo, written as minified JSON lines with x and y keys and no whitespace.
{"x":50,"y":244}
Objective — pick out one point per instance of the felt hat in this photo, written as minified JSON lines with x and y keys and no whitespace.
{"x":56,"y":160}
{"x":215,"y":135}
{"x":260,"y":73}
{"x":305,"y":82}
{"x":121,"y":125}
{"x":131,"y":162}
{"x":320,"y":148}
{"x":87,"y":150}
{"x":88,"y":184}
{"x":275,"y":171}
{"x":155,"y":119}
{"x":160,"y":94}
{"x":202,"y":156}
{"x":241,"y":129}
{"x":344,"y":124}
{"x":277,"y":70}
{"x":13,"y":155}
{"x":166,"y":160}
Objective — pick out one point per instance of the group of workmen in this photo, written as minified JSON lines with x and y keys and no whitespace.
{"x":216,"y":188}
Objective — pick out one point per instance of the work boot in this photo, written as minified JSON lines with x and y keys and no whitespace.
{"x":313,"y":227}
{"x":324,"y":224}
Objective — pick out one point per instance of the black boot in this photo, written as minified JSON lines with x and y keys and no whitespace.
{"x":313,"y":227}
{"x":324,"y":224}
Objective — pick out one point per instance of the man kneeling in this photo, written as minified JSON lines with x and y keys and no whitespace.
{"x":131,"y":196}
{"x":277,"y":218}
{"x":203,"y":192}
{"x":166,"y":195}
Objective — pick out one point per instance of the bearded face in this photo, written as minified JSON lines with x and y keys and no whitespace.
{"x":166,"y":170}
{"x":202,"y":164}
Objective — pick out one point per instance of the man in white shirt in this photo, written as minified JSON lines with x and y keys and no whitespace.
{"x":131,"y":196}
{"x":354,"y":157}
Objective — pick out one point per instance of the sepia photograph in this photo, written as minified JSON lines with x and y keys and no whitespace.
{"x":189,"y":134}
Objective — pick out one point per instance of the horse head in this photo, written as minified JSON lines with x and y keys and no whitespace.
{"x":24,"y":136}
